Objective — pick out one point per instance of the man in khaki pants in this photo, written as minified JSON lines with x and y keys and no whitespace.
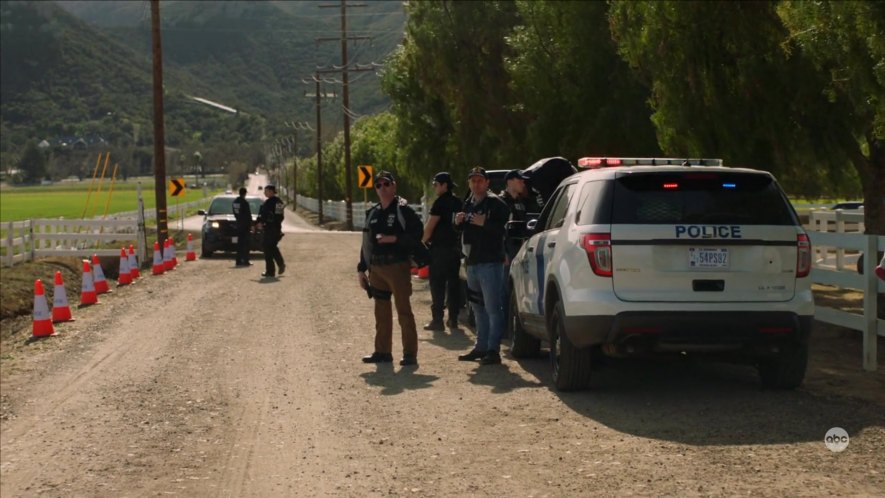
{"x":391,"y":235}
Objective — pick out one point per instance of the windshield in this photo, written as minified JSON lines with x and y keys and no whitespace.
{"x":224,"y":205}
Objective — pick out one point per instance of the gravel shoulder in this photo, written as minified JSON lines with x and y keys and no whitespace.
{"x":208,"y":381}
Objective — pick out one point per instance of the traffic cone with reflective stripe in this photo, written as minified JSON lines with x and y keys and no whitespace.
{"x":101,"y":283}
{"x":167,"y":256}
{"x":42,"y":318}
{"x":125,"y":277}
{"x":87,"y":294}
{"x":172,"y":248}
{"x":191,"y":255}
{"x":158,"y":268}
{"x":133,"y":264}
{"x":61,"y":310}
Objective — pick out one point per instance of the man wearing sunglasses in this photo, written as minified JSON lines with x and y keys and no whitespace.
{"x":392,"y":232}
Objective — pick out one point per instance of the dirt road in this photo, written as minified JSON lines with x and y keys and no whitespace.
{"x":210,"y":382}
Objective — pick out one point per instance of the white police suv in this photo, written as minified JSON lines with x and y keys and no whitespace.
{"x":641,"y":256}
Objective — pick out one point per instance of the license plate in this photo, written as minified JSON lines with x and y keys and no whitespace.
{"x":707,"y":257}
{"x":234,"y":239}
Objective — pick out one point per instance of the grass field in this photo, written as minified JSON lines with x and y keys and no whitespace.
{"x":69,"y":200}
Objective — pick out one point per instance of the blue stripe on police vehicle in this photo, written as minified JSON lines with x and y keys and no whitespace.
{"x":539,"y":260}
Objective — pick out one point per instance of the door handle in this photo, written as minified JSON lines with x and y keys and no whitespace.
{"x":529,"y":249}
{"x":551,"y":244}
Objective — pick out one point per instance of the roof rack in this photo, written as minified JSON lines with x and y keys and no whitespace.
{"x":601,"y":162}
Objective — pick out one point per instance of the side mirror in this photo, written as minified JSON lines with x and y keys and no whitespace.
{"x":201,"y":212}
{"x":531,"y":226}
{"x":515,"y":229}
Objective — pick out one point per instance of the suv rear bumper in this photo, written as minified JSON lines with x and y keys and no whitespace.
{"x":752,"y":332}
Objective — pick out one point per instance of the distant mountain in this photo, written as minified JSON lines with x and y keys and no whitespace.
{"x":254,"y":55}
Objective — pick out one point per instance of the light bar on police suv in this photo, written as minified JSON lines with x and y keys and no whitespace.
{"x":601,"y":162}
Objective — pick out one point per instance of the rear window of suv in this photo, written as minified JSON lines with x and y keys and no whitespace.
{"x":700,"y":197}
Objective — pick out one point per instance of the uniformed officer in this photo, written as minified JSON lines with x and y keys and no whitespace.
{"x":482,"y":222}
{"x":445,"y":253}
{"x":243,"y":214}
{"x":390,"y":238}
{"x":270,"y":217}
{"x":522,"y":202}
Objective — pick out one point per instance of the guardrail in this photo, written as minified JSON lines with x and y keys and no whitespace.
{"x":337,"y":210}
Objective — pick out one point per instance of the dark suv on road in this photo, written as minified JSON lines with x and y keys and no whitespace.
{"x":220,"y":225}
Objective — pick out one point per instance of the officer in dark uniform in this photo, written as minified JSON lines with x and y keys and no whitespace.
{"x":391,"y":236}
{"x":445,"y":253}
{"x":522,"y":201}
{"x":270,"y":217}
{"x":482,"y":222}
{"x":243,"y":214}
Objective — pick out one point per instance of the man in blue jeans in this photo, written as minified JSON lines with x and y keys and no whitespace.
{"x":482,"y":225}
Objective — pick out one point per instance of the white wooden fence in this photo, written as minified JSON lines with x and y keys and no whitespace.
{"x":837,"y":237}
{"x":32,"y":239}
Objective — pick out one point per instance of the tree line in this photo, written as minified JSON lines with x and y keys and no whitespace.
{"x":795,"y":88}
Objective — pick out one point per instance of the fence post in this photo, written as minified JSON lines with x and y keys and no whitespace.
{"x":840,"y":228}
{"x":30,"y":239}
{"x":869,"y":305}
{"x":9,"y":249}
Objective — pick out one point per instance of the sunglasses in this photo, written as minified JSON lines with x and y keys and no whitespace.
{"x":382,"y":184}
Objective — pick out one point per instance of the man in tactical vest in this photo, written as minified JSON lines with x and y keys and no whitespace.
{"x":391,"y":235}
{"x":270,"y":217}
{"x":522,"y":202}
{"x":243,"y":214}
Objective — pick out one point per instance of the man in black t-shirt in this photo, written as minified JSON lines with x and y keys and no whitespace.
{"x":445,"y":254}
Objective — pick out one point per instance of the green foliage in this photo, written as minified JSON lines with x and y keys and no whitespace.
{"x":32,"y":166}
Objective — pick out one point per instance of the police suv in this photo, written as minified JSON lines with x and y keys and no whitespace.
{"x":641,"y":256}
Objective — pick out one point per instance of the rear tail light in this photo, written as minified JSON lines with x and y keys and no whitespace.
{"x":599,"y":252}
{"x":803,"y":255}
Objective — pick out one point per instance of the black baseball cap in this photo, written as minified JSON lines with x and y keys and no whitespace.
{"x":478,"y":171}
{"x":444,"y":177}
{"x":385,"y":175}
{"x":515,"y":173}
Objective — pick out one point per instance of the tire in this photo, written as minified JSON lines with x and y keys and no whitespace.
{"x":522,"y":345}
{"x":204,"y":253}
{"x":786,"y":370}
{"x":571,"y":365}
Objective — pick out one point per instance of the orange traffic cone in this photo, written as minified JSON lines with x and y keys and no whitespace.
{"x":424,"y":272}
{"x":87,"y":294}
{"x":133,"y":264}
{"x":172,"y":248}
{"x":191,"y":255}
{"x":42,"y":319}
{"x":167,"y":256}
{"x":125,"y":277}
{"x":158,"y":268}
{"x":101,"y":284}
{"x":61,"y":310}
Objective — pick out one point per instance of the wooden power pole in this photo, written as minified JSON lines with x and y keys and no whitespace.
{"x":159,"y":129}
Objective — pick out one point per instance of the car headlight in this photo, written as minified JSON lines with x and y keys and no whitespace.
{"x":215,"y":224}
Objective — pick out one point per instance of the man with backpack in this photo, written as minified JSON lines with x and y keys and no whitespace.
{"x":391,"y":236}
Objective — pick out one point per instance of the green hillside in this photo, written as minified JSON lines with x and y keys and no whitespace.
{"x":254,"y":55}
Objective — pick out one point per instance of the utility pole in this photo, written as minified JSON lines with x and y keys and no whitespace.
{"x":159,"y":130}
{"x":319,"y":95}
{"x":296,"y":125}
{"x":348,"y":169}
